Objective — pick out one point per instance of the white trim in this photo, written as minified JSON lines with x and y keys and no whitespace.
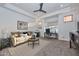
{"x":18,"y":10}
{"x":57,"y":12}
{"x":64,"y":39}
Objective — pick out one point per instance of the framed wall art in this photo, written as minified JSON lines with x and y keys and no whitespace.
{"x":22,"y":25}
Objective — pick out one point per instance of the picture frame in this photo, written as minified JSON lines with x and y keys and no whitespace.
{"x":22,"y":25}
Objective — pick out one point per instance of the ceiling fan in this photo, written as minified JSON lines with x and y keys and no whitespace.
{"x":40,"y":9}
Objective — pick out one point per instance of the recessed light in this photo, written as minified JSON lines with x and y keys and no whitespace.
{"x":61,"y":5}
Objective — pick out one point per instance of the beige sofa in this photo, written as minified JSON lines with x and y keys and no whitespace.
{"x":18,"y":38}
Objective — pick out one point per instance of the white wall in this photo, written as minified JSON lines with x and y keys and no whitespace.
{"x":51,"y":21}
{"x":33,"y":26}
{"x":65,"y":28}
{"x":77,"y":17}
{"x":44,"y":24}
{"x":8,"y":20}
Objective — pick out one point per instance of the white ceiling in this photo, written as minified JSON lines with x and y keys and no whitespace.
{"x":49,"y":7}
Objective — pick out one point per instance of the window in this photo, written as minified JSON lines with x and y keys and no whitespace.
{"x":68,"y":18}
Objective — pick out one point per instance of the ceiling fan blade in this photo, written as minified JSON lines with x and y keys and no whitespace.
{"x":35,"y":10}
{"x":41,"y":5}
{"x":43,"y":11}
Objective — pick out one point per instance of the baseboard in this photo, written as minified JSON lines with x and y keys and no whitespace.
{"x":64,"y":39}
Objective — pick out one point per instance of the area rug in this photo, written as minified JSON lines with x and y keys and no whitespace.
{"x":25,"y":50}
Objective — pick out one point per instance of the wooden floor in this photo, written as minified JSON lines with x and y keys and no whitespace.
{"x":53,"y":48}
{"x":58,"y":48}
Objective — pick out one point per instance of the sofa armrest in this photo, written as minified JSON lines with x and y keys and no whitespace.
{"x":13,"y":39}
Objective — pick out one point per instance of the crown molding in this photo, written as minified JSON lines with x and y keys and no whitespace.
{"x":57,"y":12}
{"x":18,"y":10}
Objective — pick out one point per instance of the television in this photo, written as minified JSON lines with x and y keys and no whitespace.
{"x":48,"y":31}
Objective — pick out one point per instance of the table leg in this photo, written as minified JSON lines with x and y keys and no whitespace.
{"x":38,"y":42}
{"x":33,"y":44}
{"x":70,"y":44}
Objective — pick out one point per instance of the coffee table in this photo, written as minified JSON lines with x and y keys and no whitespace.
{"x":34,"y":41}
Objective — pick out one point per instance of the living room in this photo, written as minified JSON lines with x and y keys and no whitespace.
{"x":57,"y":20}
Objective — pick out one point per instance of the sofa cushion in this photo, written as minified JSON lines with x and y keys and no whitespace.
{"x":22,"y":35}
{"x":17,"y":34}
